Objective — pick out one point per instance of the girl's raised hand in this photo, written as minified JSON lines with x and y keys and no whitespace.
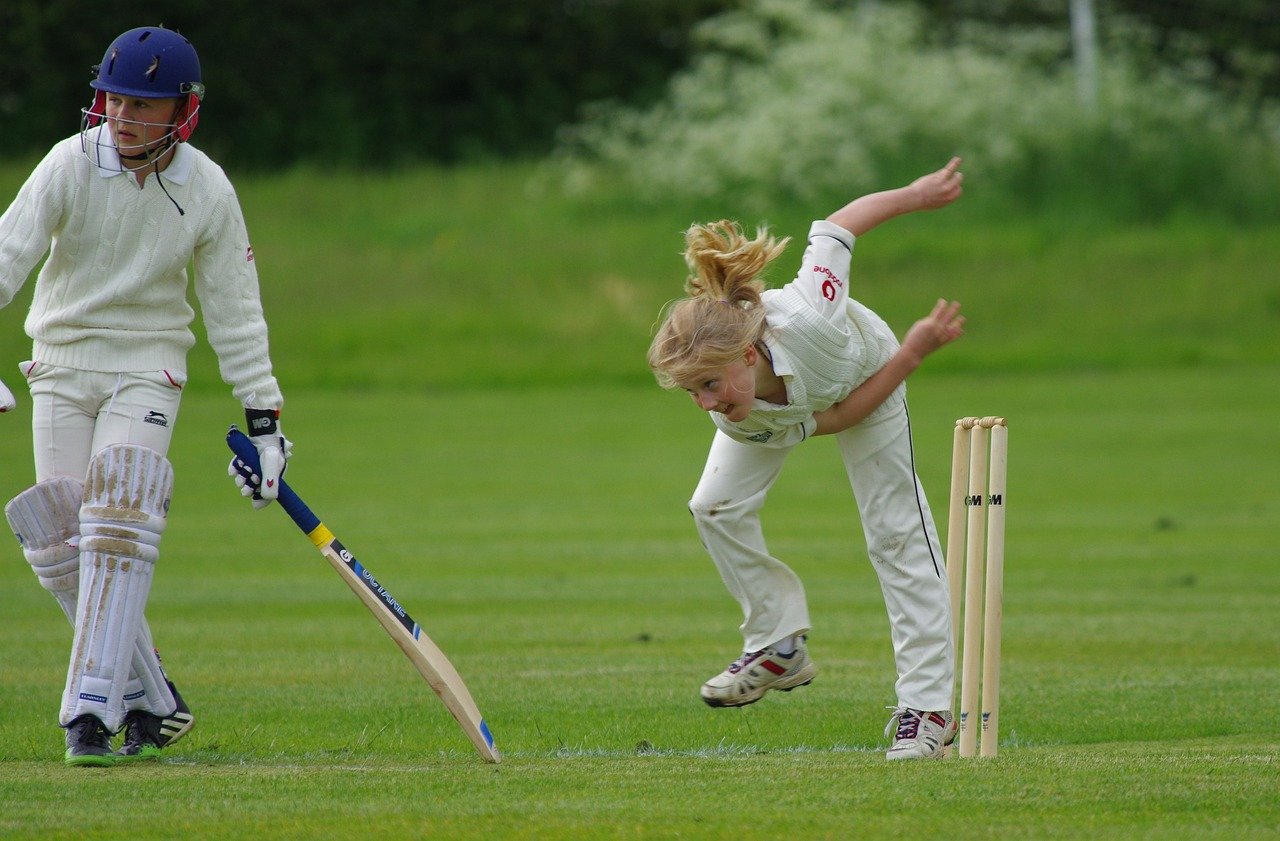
{"x":941,"y":188}
{"x":942,"y":326}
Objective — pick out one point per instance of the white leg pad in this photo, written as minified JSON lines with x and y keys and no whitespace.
{"x":155,"y":696}
{"x":46,"y":519}
{"x":124,"y":512}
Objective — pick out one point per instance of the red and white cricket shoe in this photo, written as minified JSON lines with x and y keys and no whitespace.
{"x":756,"y":672}
{"x":920,"y":734}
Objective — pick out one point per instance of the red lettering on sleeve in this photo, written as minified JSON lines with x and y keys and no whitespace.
{"x":829,"y":285}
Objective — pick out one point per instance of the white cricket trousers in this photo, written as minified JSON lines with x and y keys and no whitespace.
{"x":902,"y":543}
{"x":74,"y":414}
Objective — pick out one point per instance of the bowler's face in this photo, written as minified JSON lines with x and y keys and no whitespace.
{"x":728,"y":391}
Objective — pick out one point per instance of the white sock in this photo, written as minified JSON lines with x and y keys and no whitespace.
{"x":786,"y":646}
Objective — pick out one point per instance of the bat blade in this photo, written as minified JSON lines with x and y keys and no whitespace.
{"x":421,"y":650}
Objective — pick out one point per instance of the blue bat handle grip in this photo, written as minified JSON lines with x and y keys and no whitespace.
{"x":289,"y":501}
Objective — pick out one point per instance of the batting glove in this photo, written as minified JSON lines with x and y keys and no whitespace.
{"x":6,"y":399}
{"x":273,"y":449}
{"x":247,"y":481}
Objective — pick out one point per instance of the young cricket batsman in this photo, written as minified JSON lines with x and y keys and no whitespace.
{"x":120,"y":209}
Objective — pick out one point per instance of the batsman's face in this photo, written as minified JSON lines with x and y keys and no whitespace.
{"x":728,"y":391}
{"x":138,"y":124}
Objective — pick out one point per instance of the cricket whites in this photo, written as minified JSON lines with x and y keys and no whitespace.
{"x":425,"y":655}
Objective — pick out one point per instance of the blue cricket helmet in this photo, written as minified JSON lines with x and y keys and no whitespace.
{"x":153,"y":63}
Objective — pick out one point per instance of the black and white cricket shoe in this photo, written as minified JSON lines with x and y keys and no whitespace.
{"x":146,"y":733}
{"x":141,"y":736}
{"x":89,"y":742}
{"x":178,"y":723}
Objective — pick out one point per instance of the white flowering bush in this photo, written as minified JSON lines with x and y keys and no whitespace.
{"x":804,"y":100}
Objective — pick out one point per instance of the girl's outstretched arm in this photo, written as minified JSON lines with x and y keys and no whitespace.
{"x":940,"y":327}
{"x":928,"y":192}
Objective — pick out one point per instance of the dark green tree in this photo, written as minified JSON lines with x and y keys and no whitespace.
{"x":373,"y":83}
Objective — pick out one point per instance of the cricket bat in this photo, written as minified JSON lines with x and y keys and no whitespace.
{"x":425,"y":655}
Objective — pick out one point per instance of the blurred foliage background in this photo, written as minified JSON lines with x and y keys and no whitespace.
{"x":389,"y":82}
{"x":797,"y":99}
{"x":371,"y":84}
{"x":504,"y":184}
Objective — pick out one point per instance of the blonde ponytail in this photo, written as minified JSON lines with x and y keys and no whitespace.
{"x":723,"y":314}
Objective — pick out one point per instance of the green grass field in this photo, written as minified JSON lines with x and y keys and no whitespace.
{"x":462,"y":357}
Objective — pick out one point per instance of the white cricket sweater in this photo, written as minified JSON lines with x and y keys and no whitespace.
{"x":112,"y":295}
{"x":823,"y":343}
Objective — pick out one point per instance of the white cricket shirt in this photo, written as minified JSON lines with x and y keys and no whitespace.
{"x":823,"y":343}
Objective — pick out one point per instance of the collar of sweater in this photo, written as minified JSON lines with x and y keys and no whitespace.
{"x":107,"y":160}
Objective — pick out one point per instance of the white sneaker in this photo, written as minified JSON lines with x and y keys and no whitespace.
{"x":920,"y":734}
{"x":755,"y":673}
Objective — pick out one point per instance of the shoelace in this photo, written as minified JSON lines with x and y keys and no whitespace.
{"x":907,"y":720}
{"x":743,"y":661}
{"x":92,"y":732}
{"x":142,"y":727}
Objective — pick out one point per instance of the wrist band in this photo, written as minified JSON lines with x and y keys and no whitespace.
{"x":262,"y":421}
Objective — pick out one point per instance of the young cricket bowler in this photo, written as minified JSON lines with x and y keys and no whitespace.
{"x":776,"y":367}
{"x":121,"y":209}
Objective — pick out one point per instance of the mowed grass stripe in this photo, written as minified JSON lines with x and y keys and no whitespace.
{"x":585,"y":623}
